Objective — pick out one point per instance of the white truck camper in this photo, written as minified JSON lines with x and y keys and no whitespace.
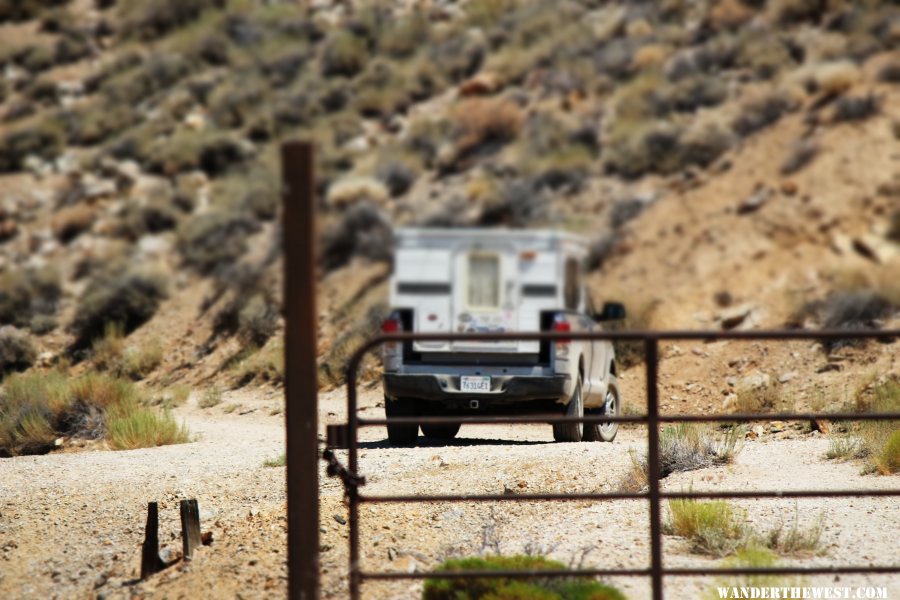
{"x":477,"y":280}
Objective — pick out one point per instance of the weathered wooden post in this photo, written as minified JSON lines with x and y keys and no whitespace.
{"x":190,"y":528}
{"x":150,"y":561}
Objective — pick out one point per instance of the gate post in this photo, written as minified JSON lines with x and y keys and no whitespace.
{"x":651,"y":360}
{"x":300,"y":386}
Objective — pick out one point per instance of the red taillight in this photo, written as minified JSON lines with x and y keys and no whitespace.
{"x":391,"y":325}
{"x":561,"y":325}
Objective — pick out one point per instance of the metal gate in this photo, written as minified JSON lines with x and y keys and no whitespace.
{"x":346,"y":436}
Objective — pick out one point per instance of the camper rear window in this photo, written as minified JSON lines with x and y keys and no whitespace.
{"x":484,"y":280}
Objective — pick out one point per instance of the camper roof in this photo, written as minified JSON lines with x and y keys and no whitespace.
{"x":547,"y":236}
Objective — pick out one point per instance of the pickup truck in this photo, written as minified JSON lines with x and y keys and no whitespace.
{"x":476,"y":280}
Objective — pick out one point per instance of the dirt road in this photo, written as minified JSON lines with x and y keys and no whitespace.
{"x":71,"y":524}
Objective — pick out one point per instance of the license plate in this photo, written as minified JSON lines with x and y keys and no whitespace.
{"x":475,"y":383}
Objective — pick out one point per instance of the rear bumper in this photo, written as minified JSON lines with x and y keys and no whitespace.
{"x":510,"y":391}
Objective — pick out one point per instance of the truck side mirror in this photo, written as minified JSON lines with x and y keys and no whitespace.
{"x":612,"y":311}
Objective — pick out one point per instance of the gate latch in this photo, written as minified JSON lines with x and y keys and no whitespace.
{"x":336,"y":469}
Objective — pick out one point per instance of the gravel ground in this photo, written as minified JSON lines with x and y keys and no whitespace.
{"x":71,"y":524}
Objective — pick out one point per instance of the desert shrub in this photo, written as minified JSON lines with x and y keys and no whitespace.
{"x":483,"y":124}
{"x":28,"y":294}
{"x":126,"y":297}
{"x":44,"y":140}
{"x":504,"y":587}
{"x":72,"y":221}
{"x":37,"y":58}
{"x":691,"y":94}
{"x":344,"y":54}
{"x":257,"y":320}
{"x":759,"y":114}
{"x":333,"y":363}
{"x":138,"y":362}
{"x":136,"y":220}
{"x":458,"y":56}
{"x":38,"y":407}
{"x":212,"y":396}
{"x":380,"y":90}
{"x":253,"y":191}
{"x":397,"y":175}
{"x":844,"y":447}
{"x":17,"y":353}
{"x":760,"y":399}
{"x":106,"y":351}
{"x":278,"y":461}
{"x":713,"y":527}
{"x":890,"y":73}
{"x":638,"y":317}
{"x":140,"y":427}
{"x":123,"y":61}
{"x":71,"y":47}
{"x":97,"y":122}
{"x":362,"y":230}
{"x":879,"y":441}
{"x":232,"y":102}
{"x":787,"y":12}
{"x":556,"y":154}
{"x":794,"y":539}
{"x":150,"y":21}
{"x":134,"y":85}
{"x":856,"y":108}
{"x":686,"y":447}
{"x":22,"y":10}
{"x":516,"y":202}
{"x":702,"y":144}
{"x":265,"y":365}
{"x":763,"y":54}
{"x":754,"y":556}
{"x":42,"y":90}
{"x":801,"y":153}
{"x":405,"y":36}
{"x":638,"y":148}
{"x":213,"y":240}
{"x":848,"y":309}
{"x":212,"y":152}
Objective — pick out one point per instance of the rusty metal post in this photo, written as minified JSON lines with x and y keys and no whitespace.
{"x":301,"y":390}
{"x":651,"y":359}
{"x":150,"y":561}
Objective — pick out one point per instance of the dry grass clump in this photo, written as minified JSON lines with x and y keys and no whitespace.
{"x":760,"y":113}
{"x":278,"y":461}
{"x":266,"y":365}
{"x":344,"y":55}
{"x":753,"y":556}
{"x":686,"y":447}
{"x":72,"y":221}
{"x":38,"y":407}
{"x":212,"y":396}
{"x":759,"y":399}
{"x":794,"y":540}
{"x":484,"y":123}
{"x":17,"y":353}
{"x":713,"y":527}
{"x":852,"y":307}
{"x":151,"y":21}
{"x":876,"y":442}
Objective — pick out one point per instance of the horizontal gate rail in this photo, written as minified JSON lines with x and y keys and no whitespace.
{"x":653,"y":419}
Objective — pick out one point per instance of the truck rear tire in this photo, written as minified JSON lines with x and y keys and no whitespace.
{"x":401,"y":435}
{"x":604,"y":432}
{"x":571,"y":432}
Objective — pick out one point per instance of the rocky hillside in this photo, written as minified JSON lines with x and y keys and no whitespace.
{"x":735,"y":164}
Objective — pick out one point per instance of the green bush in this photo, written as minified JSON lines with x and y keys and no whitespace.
{"x":124,"y":297}
{"x":537,"y":587}
{"x":130,"y":86}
